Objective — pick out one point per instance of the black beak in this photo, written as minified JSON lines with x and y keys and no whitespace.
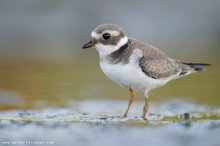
{"x":90,"y":44}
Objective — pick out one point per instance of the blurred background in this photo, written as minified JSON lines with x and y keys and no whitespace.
{"x":42,"y":63}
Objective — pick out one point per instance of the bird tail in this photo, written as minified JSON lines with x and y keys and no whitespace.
{"x":197,"y":66}
{"x":189,"y":67}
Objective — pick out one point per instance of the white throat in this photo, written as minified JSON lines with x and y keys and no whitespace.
{"x":108,"y":49}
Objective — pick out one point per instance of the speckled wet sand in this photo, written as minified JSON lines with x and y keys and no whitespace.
{"x":95,"y":122}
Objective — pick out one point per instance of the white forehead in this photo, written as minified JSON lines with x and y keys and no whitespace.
{"x":98,"y":36}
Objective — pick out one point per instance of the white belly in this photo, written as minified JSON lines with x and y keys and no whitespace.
{"x":131,"y":76}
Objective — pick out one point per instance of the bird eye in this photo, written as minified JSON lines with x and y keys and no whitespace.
{"x":106,"y":36}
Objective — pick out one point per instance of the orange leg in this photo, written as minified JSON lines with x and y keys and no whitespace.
{"x":145,"y":109}
{"x":132,"y":95}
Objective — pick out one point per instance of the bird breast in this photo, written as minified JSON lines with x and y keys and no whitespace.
{"x":130,"y":75}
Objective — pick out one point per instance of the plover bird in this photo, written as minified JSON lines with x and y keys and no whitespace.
{"x":135,"y":64}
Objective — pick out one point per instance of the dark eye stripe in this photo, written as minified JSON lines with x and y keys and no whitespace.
{"x":106,"y":36}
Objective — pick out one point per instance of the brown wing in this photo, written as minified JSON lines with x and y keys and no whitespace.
{"x":158,"y":68}
{"x":149,"y":52}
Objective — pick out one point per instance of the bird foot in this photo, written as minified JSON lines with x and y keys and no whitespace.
{"x":124,"y":116}
{"x":144,"y":118}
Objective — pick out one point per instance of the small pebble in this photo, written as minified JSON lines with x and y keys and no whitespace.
{"x":185,"y":116}
{"x":103,"y":118}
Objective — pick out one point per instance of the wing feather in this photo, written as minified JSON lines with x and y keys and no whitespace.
{"x":158,"y":68}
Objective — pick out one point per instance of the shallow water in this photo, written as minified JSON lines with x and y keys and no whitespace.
{"x":95,"y":122}
{"x":59,"y":133}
